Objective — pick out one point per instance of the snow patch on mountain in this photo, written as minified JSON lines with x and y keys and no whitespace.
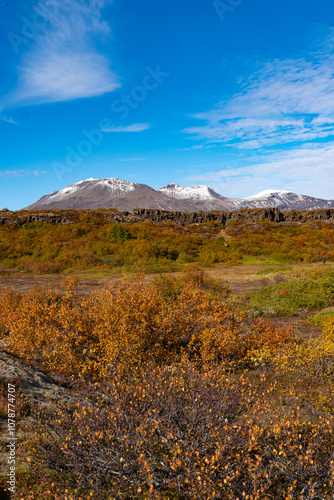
{"x":117,"y":185}
{"x":63,"y":193}
{"x":195,"y":193}
{"x":268,"y":192}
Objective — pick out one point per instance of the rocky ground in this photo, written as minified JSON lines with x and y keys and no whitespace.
{"x":33,"y":389}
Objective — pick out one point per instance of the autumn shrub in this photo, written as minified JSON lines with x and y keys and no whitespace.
{"x":10,"y":302}
{"x":130,"y":323}
{"x":50,"y":328}
{"x":139,"y":322}
{"x":179,"y":432}
{"x":169,"y":287}
{"x":321,"y":317}
{"x":264,"y":340}
{"x":127,"y":323}
{"x":321,"y":356}
{"x":312,"y":360}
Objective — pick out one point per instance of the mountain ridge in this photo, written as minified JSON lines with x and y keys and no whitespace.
{"x":124,"y":195}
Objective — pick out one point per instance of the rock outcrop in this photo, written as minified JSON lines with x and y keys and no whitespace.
{"x":250,"y":216}
{"x":37,"y":387}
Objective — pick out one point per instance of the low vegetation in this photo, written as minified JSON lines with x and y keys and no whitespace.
{"x":130,"y":323}
{"x":322,"y":317}
{"x":186,"y":394}
{"x":179,"y":432}
{"x":289,"y":298}
{"x":92,"y":243}
{"x":185,"y":390}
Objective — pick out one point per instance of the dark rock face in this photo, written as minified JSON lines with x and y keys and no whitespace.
{"x":20,"y":220}
{"x":186,"y":218}
{"x":247,"y":216}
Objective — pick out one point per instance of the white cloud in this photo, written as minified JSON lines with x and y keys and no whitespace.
{"x":136,"y":127}
{"x":306,"y":170}
{"x":286,"y":101}
{"x":63,"y":62}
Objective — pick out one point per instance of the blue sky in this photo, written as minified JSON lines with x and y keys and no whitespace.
{"x":235,"y":94}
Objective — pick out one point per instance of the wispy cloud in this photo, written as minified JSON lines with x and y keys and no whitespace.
{"x":286,"y":101}
{"x":64,"y":62}
{"x":304,"y":170}
{"x":136,"y":127}
{"x":21,"y":173}
{"x":10,"y":120}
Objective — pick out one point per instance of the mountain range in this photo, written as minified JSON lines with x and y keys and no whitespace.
{"x":125,"y":196}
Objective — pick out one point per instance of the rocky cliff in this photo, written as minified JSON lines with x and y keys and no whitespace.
{"x":180,"y":218}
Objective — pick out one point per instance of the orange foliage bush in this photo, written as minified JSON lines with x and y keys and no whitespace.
{"x":176,"y":432}
{"x":131,"y":322}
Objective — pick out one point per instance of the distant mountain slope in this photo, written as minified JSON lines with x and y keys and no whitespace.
{"x":286,"y":200}
{"x":125,"y":196}
{"x":199,"y":193}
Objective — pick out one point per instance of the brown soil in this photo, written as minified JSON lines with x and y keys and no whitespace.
{"x":21,"y":282}
{"x":242,"y":279}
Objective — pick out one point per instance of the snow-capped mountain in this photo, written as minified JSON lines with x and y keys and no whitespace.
{"x":106,"y":193}
{"x":195,"y":193}
{"x":117,"y":193}
{"x":112,"y":187}
{"x":286,"y":200}
{"x":266,"y":193}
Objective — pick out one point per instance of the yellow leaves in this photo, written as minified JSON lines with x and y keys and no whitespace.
{"x":131,"y":322}
{"x":124,"y":325}
{"x":263,"y":451}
